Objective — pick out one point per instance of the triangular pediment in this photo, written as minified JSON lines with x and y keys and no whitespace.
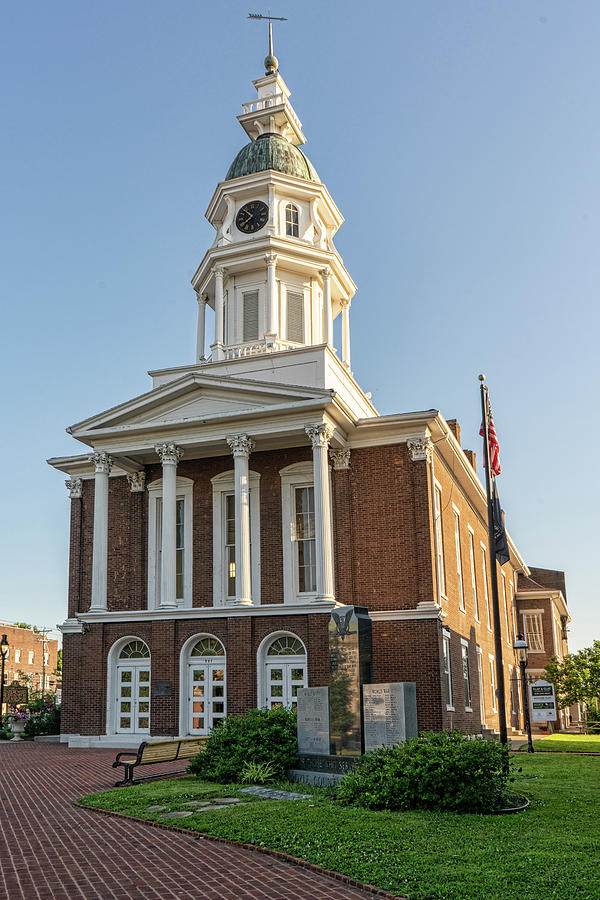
{"x":197,"y":398}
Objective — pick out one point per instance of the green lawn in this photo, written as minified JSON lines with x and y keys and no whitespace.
{"x":549,"y":851}
{"x":568,"y":743}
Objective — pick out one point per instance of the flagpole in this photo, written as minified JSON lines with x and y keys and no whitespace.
{"x":501,"y":698}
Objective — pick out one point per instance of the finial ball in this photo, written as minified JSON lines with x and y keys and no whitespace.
{"x":482,"y":377}
{"x":271,"y":64}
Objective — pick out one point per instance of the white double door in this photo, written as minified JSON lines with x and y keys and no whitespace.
{"x":207,"y":700}
{"x":133,"y":698}
{"x":283,"y":680}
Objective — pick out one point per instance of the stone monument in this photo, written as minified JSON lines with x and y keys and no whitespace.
{"x":390,"y":713}
{"x":313,"y":721}
{"x":350,"y":666}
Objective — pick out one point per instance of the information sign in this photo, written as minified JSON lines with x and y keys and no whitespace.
{"x":542,"y":701}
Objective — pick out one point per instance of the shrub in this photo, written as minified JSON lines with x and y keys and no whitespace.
{"x":5,"y":732}
{"x":257,"y":773}
{"x":261,"y":736}
{"x":46,"y":722}
{"x":438,"y":771}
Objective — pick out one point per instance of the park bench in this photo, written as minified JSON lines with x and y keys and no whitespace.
{"x":151,"y":752}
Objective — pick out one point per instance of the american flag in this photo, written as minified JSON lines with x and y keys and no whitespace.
{"x":494,"y":446}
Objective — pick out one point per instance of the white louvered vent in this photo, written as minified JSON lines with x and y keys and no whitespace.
{"x":295,"y":317}
{"x":251,"y":316}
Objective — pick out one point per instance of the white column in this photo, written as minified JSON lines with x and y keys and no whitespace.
{"x":200,"y":332}
{"x":241,"y":446}
{"x":169,"y":456}
{"x":346,"y":332}
{"x":272,"y":328}
{"x":320,"y":435}
{"x":327,"y":310}
{"x":102,"y":463}
{"x":218,"y":272}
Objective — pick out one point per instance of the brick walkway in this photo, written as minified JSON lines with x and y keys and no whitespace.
{"x":51,"y":849}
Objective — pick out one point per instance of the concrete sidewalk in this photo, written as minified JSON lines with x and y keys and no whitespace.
{"x":51,"y":849}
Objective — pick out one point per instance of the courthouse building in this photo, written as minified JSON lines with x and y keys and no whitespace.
{"x":218,"y":518}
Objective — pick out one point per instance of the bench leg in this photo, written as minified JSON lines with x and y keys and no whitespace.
{"x":128,"y":779}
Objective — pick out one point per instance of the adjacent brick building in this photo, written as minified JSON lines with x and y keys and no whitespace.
{"x":30,"y":658}
{"x":218,"y":518}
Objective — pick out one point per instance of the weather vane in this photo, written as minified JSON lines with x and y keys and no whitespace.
{"x":271,"y":61}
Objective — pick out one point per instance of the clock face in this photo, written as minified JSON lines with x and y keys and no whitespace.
{"x":252,"y":217}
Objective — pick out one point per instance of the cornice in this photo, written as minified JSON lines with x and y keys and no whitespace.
{"x":427,"y":609}
{"x":198,"y":612}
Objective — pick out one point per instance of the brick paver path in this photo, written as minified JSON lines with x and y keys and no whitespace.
{"x":51,"y":849}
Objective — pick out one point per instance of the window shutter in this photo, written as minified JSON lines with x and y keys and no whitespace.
{"x":295,"y":317}
{"x":251,"y":316}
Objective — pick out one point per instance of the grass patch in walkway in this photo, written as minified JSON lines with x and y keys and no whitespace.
{"x":567,"y":743}
{"x":549,"y":851}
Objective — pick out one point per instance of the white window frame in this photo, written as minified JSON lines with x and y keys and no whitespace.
{"x":30,"y":657}
{"x":539,"y":614}
{"x":296,"y":475}
{"x":185,"y":492}
{"x":17,"y":654}
{"x":447,"y":670}
{"x":505,"y":608}
{"x":234,"y":333}
{"x":492,"y":663}
{"x":480,"y":684}
{"x":464,"y":652}
{"x":513,"y":610}
{"x":511,"y":676}
{"x":438,"y":534}
{"x":473,"y":573}
{"x":459,"y":567}
{"x":295,"y":289}
{"x":295,"y":206}
{"x":486,"y":593}
{"x":222,"y":485}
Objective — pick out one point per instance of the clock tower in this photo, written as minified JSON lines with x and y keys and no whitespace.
{"x":272,"y":275}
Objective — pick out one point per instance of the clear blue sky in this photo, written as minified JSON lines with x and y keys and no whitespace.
{"x":460,"y":140}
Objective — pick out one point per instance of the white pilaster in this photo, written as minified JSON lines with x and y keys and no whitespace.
{"x":102,"y":466}
{"x":346,"y":332}
{"x":320,"y":435}
{"x":241,"y":447}
{"x":75,"y":487}
{"x":200,"y":332}
{"x":218,"y":272}
{"x":271,"y":332}
{"x":327,"y":309}
{"x":169,"y":455}
{"x":137,"y":481}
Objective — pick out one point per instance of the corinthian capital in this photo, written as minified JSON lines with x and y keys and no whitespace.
{"x":271,"y":258}
{"x":102,"y":462}
{"x":74,"y":486}
{"x":320,"y":434}
{"x":326,"y":273}
{"x":340,"y":458}
{"x":169,"y":454}
{"x":218,"y":271}
{"x":137,"y":481}
{"x":420,"y":448}
{"x":345,"y":302}
{"x":241,"y":444}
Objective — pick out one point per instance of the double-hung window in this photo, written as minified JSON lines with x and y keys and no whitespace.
{"x":17,"y":655}
{"x":30,"y":657}
{"x":473,"y":574}
{"x":485,"y":587}
{"x":447,"y":669}
{"x":224,"y":533}
{"x":493,"y":681}
{"x":299,"y":533}
{"x":183,"y":542}
{"x":439,"y":541}
{"x":505,"y":608}
{"x":292,"y":220}
{"x":534,"y":634}
{"x":464,"y":649}
{"x":459,"y":573}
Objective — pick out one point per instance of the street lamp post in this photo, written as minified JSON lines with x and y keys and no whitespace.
{"x":520,"y":646}
{"x":4,"y":654}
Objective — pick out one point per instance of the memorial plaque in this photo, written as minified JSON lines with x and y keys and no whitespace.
{"x":15,"y":693}
{"x":350,"y":665}
{"x":313,"y":720}
{"x":162,"y":688}
{"x":390,"y":713}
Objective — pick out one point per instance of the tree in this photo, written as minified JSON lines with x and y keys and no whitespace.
{"x":577,"y":676}
{"x":58,"y":669}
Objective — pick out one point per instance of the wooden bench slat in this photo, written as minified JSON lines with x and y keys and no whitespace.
{"x":189,"y":747}
{"x":159,"y":751}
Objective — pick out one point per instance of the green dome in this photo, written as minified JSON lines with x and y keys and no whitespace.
{"x":271,"y":151}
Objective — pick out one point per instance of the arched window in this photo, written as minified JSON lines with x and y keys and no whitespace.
{"x":129,"y":687}
{"x":284,"y":670}
{"x":206,"y":684}
{"x":292,"y":219}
